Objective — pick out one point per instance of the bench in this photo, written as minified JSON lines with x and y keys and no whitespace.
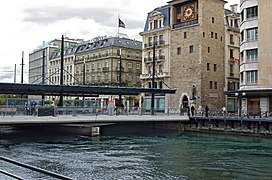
{"x":8,"y":111}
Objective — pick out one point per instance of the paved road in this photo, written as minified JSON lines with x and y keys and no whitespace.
{"x":69,"y":119}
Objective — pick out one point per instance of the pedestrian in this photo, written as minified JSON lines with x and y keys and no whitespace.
{"x":206,"y":110}
{"x":193,"y":110}
{"x":188,"y":110}
{"x":181,"y":109}
{"x":224,"y":111}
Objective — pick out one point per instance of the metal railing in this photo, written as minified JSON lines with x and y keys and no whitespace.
{"x":33,"y":168}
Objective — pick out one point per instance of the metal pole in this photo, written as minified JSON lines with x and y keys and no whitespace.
{"x":61,"y":70}
{"x":153,"y":81}
{"x":22,"y":73}
{"x":43,"y":72}
{"x":120,"y":72}
{"x":15,"y":73}
{"x":240,"y":105}
{"x":84,"y":74}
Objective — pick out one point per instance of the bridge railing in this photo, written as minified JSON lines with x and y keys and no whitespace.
{"x":39,"y":110}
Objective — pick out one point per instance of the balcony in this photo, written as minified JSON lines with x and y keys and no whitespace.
{"x":184,"y":24}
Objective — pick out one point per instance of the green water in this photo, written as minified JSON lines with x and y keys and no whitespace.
{"x":160,"y":156}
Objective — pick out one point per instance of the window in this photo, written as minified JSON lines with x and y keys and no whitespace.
{"x":211,"y":84}
{"x":137,"y":66}
{"x":130,"y":65}
{"x":231,"y":23}
{"x":107,"y":76}
{"x":242,"y":16}
{"x":155,"y":24}
{"x":203,"y":34}
{"x":211,"y":34}
{"x":212,"y":19}
{"x":160,"y":84}
{"x":150,"y":25}
{"x":252,"y":55}
{"x":208,"y":66}
{"x":231,"y":39}
{"x":231,"y":70}
{"x":150,"y":41}
{"x":184,"y":35}
{"x":161,"y":39}
{"x":215,"y":85}
{"x":231,"y":53}
{"x":214,"y":67}
{"x":179,"y":51}
{"x":155,"y":40}
{"x":209,"y":49}
{"x":160,"y":23}
{"x":191,"y":49}
{"x":252,"y":77}
{"x":252,"y":34}
{"x":215,"y":35}
{"x":242,"y":36}
{"x":252,"y":12}
{"x":242,"y":56}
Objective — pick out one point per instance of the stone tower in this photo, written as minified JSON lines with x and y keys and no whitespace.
{"x":197,"y":53}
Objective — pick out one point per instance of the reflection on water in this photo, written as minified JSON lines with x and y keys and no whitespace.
{"x":147,"y":156}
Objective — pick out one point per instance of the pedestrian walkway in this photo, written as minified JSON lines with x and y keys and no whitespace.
{"x":81,"y":119}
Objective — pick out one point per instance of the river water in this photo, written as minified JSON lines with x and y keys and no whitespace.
{"x":159,"y":156}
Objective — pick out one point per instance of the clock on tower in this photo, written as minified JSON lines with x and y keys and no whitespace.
{"x":189,"y":12}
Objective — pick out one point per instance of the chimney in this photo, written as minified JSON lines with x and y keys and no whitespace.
{"x":234,"y":8}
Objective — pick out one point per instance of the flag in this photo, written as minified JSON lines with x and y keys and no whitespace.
{"x":121,"y":24}
{"x":237,"y":60}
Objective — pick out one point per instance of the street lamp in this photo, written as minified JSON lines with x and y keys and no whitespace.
{"x":240,"y":95}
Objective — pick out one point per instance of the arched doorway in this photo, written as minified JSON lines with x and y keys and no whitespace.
{"x":184,"y":100}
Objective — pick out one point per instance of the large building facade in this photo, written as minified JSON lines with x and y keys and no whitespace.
{"x":232,"y":55}
{"x":255,"y":55}
{"x":97,"y":62}
{"x":39,"y":58}
{"x":156,"y":39}
{"x":197,"y":44}
{"x":68,"y":63}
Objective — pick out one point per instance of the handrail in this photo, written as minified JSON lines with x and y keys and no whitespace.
{"x":11,"y":175}
{"x":52,"y":174}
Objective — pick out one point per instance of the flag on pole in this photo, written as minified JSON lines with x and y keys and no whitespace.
{"x":121,"y":24}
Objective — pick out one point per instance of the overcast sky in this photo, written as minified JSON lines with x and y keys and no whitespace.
{"x":25,"y":24}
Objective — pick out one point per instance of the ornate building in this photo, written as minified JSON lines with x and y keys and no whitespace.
{"x":156,"y":35}
{"x":197,"y":43}
{"x":232,"y":53}
{"x":97,"y":62}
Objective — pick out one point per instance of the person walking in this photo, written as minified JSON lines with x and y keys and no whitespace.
{"x":192,"y":110}
{"x":181,"y":110}
{"x":206,"y":110}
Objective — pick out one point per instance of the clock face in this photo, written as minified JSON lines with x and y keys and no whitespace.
{"x":189,"y":12}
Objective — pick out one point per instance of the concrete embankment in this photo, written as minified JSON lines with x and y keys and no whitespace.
{"x":231,"y":125}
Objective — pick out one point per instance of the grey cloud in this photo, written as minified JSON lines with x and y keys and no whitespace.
{"x":6,"y":72}
{"x":103,"y":16}
{"x":47,"y":15}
